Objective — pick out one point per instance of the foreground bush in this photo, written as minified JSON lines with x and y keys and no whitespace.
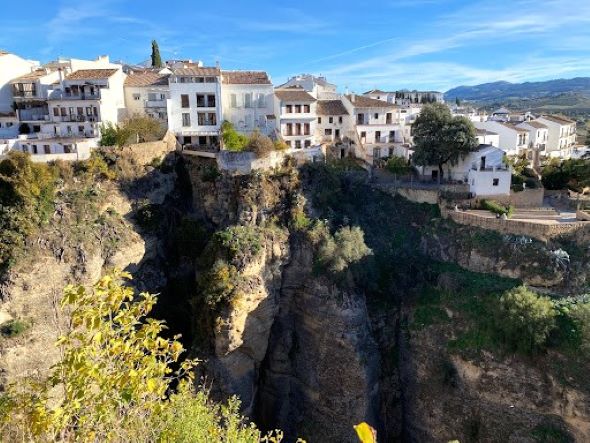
{"x":335,"y":253}
{"x":526,"y":319}
{"x":114,"y":381}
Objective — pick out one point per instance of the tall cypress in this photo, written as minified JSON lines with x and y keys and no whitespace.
{"x":156,"y":59}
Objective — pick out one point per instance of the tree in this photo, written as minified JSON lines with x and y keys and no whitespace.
{"x":141,"y":128}
{"x":457,"y":101}
{"x":260,"y":144}
{"x":232,"y":139}
{"x":440,"y":138}
{"x":347,"y":246}
{"x":525,"y":319}
{"x":156,"y":59}
{"x":398,"y":166}
{"x":115,"y":381}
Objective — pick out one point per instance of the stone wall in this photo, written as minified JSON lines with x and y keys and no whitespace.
{"x":539,"y":231}
{"x":246,"y":162}
{"x":415,"y":195}
{"x":144,"y":153}
{"x":529,"y":198}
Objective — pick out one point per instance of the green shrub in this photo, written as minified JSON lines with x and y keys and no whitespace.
{"x":525,"y":319}
{"x":579,"y":315}
{"x":232,"y":139}
{"x":240,"y":241}
{"x":218,"y":284}
{"x":260,"y":144}
{"x":210,"y":173}
{"x":347,"y":246}
{"x":12,"y":328}
{"x":497,"y":208}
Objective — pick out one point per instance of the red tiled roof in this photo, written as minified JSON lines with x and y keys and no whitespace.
{"x":294,"y":94}
{"x":245,"y":78}
{"x":331,"y":107}
{"x":146,"y":78}
{"x":91,"y":74}
{"x":360,"y":101}
{"x":194,"y":69}
{"x":31,"y":76}
{"x":558,"y":119}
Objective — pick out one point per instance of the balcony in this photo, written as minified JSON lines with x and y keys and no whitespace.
{"x":25,"y":94}
{"x":155,"y":103}
{"x":32,"y":116}
{"x":60,"y":95}
{"x":75,"y":118}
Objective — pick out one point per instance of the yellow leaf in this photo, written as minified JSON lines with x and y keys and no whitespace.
{"x":151,"y":385}
{"x":366,"y":433}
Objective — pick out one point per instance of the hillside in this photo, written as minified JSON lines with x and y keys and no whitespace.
{"x":502,"y":90}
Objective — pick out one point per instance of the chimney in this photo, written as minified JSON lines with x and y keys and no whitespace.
{"x":352,"y":97}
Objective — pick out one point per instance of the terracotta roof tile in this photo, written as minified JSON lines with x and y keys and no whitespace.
{"x":558,"y":119}
{"x":91,"y":74}
{"x":245,"y":78}
{"x":331,"y":107}
{"x":146,"y":78}
{"x":31,"y":76}
{"x":360,"y":101}
{"x":535,"y":124}
{"x":194,"y":69}
{"x":294,"y":94}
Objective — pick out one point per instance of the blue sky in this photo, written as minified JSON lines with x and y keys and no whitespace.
{"x":423,"y":44}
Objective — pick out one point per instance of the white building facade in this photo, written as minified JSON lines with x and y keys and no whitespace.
{"x":561,"y":135}
{"x":295,"y":109}
{"x":194,"y":106}
{"x":247,"y":101}
{"x":147,"y":93}
{"x":513,"y":139}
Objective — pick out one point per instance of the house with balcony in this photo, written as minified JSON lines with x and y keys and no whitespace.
{"x":84,"y":100}
{"x":513,"y":139}
{"x":377,"y":130}
{"x":30,"y":92}
{"x":334,"y":126}
{"x":194,"y":106}
{"x":11,"y":67}
{"x":296,"y":112}
{"x":484,"y":170}
{"x":561,"y":135}
{"x":146,"y":94}
{"x":247,"y":101}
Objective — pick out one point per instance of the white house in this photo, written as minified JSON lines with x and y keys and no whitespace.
{"x":247,"y":99}
{"x":333,"y":122}
{"x":484,"y":171}
{"x":194,"y":106}
{"x":378,"y":131}
{"x":318,"y":87}
{"x":486,"y":137}
{"x":11,"y":66}
{"x":513,"y":139}
{"x":561,"y":135}
{"x":147,"y":92}
{"x":295,"y":109}
{"x":8,"y":125}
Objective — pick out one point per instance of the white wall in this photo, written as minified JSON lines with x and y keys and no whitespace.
{"x":246,"y":119}
{"x":140,"y":107}
{"x":11,"y":66}
{"x":484,"y":183}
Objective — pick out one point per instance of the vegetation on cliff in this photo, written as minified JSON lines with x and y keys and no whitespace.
{"x":116,"y":382}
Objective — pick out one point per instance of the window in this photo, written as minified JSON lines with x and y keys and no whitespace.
{"x":202,"y":140}
{"x":306,"y":109}
{"x":36,"y":128}
{"x":377,"y":136}
{"x":89,"y":111}
{"x":360,"y":119}
{"x":35,"y":149}
{"x":289,"y":129}
{"x":297,"y":128}
{"x":63,"y":112}
{"x":376,"y":116}
{"x":186,"y":140}
{"x":184,"y":101}
{"x":331,"y":120}
{"x":307,"y":143}
{"x":297,"y":109}
{"x":56,"y":112}
{"x":495,"y":182}
{"x":25,"y":148}
{"x":136,"y":97}
{"x":248,"y":100}
{"x":201,"y":101}
{"x":212,"y":120}
{"x":388,"y":118}
{"x":81,"y":129}
{"x":47,"y":149}
{"x":319,"y":120}
{"x":391,"y":136}
{"x":363,"y":135}
{"x":211,"y":100}
{"x":306,"y":129}
{"x":288,"y":142}
{"x":199,"y":79}
{"x":289,"y":109}
{"x":261,"y":100}
{"x":340,"y":119}
{"x":186,"y":119}
{"x":327,"y":132}
{"x":80,"y":111}
{"x":298,"y":144}
{"x":210,"y":80}
{"x":233,"y":100}
{"x":67,"y":149}
{"x":69,"y":129}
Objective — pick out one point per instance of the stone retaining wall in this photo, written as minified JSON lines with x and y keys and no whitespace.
{"x":539,"y":231}
{"x":144,"y":153}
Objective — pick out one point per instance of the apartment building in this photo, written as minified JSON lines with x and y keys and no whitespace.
{"x":247,"y":101}
{"x":513,"y":139}
{"x":147,"y":92}
{"x":486,"y":137}
{"x":561,"y":135}
{"x":194,"y":106}
{"x":295,"y":109}
{"x":378,"y":132}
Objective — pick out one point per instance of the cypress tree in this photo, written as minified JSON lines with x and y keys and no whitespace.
{"x":156,"y":59}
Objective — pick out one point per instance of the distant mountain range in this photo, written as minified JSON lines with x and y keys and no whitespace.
{"x":506,"y":90}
